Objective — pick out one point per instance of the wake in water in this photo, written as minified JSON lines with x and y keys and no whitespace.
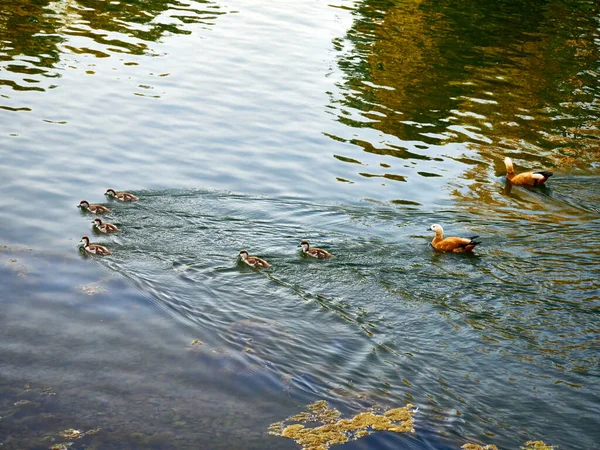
{"x":387,"y":307}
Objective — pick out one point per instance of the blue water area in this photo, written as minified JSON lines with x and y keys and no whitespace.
{"x":254,"y":125}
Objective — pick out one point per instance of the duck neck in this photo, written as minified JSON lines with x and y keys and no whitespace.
{"x":439,"y":236}
{"x":510,"y":171}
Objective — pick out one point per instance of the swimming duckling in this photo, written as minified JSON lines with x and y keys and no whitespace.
{"x":315,"y":252}
{"x":525,"y":178}
{"x":95,"y":209}
{"x":451,"y":244}
{"x":94,"y":249}
{"x":105,"y":227}
{"x":123,"y":196}
{"x":253,"y":261}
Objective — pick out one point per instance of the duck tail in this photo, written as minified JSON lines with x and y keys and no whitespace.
{"x":546,"y":175}
{"x":473,"y":241}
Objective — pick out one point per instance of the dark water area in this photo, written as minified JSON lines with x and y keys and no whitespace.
{"x":255,"y":125}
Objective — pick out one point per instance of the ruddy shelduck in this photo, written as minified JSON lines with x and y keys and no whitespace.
{"x":315,"y":252}
{"x":253,"y":261}
{"x":525,"y":178}
{"x":451,"y":244}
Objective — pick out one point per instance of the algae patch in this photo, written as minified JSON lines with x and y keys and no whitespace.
{"x":537,"y":445}
{"x":334,"y":430}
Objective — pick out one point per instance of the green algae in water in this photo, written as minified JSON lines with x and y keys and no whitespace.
{"x":335,"y":430}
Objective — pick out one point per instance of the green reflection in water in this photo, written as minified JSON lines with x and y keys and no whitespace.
{"x":41,"y":38}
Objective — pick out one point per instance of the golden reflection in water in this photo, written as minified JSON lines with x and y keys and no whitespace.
{"x":437,"y":73}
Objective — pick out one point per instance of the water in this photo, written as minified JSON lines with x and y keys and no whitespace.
{"x":255,"y":125}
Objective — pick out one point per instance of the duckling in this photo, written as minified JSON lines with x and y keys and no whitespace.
{"x":105,"y":227}
{"x":253,"y":261}
{"x":315,"y":252}
{"x":123,"y":196}
{"x":94,"y":249}
{"x":451,"y":244}
{"x":525,"y":178}
{"x":95,"y":209}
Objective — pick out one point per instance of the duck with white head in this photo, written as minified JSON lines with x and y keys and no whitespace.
{"x":452,"y":244}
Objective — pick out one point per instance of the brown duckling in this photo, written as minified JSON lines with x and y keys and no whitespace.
{"x":525,"y":178}
{"x":105,"y":227}
{"x":253,"y":261}
{"x":94,"y":249}
{"x":315,"y":252}
{"x":123,"y":196}
{"x":451,"y":244}
{"x":95,"y":209}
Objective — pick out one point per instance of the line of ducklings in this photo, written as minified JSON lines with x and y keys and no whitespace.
{"x":98,"y":224}
{"x":450,"y":244}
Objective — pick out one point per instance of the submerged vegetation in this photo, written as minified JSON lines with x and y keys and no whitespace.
{"x":530,"y":445}
{"x":334,"y":430}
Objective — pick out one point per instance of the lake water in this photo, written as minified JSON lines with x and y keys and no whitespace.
{"x":354,"y":124}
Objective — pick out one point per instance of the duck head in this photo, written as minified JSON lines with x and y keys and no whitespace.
{"x":437,"y":228}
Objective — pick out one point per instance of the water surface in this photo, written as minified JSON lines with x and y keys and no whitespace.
{"x":254,"y":125}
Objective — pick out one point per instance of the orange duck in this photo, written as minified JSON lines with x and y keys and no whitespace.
{"x":451,"y":244}
{"x":525,"y":178}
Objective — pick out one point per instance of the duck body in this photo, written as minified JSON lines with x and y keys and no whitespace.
{"x":253,"y":261}
{"x":94,"y":209}
{"x":105,"y":227}
{"x":314,"y":252}
{"x":525,"y":178}
{"x":94,"y":249}
{"x":123,"y":196}
{"x":452,"y":244}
